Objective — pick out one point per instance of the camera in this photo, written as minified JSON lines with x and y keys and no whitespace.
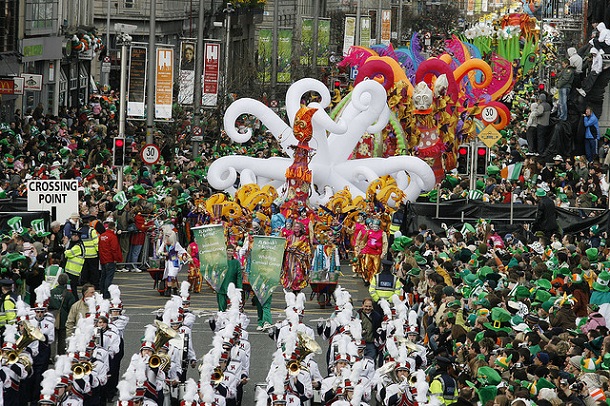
{"x":577,"y":386}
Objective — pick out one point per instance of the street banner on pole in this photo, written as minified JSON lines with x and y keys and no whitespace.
{"x":365,"y":31}
{"x":211,"y":69}
{"x":137,"y":81}
{"x":164,"y":84}
{"x":284,"y":56}
{"x":264,"y":55}
{"x":323,"y":41}
{"x":212,"y":253}
{"x":186,"y":76}
{"x":349,"y":34}
{"x":306,"y":41}
{"x":386,"y":26}
{"x":266,"y":260}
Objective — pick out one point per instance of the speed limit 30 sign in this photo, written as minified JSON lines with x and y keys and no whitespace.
{"x":150,"y":154}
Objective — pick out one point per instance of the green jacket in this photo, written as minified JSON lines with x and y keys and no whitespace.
{"x":61,"y":299}
{"x":233,"y":275}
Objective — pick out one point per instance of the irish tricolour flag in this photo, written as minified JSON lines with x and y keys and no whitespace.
{"x":512,"y":171}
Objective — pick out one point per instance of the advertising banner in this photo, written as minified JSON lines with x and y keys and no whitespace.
{"x":306,"y":41}
{"x":136,"y":92}
{"x":266,"y":265}
{"x":211,"y":69}
{"x":164,"y":83}
{"x":349,"y":34}
{"x":212,"y":253}
{"x":32,"y":82}
{"x":323,"y":41}
{"x":365,"y":31}
{"x":7,"y":86}
{"x":186,"y":75}
{"x":386,"y":26}
{"x":284,"y":55}
{"x":264,"y":55}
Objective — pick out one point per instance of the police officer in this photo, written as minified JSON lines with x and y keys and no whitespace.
{"x":385,"y":284}
{"x":8,"y":301}
{"x":90,"y":238}
{"x":75,"y":259}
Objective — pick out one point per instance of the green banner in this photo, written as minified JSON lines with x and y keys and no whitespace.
{"x":266,"y":260}
{"x":306,"y":41}
{"x":212,"y":253}
{"x":264,"y":55}
{"x":365,"y":31}
{"x":323,"y":41}
{"x":284,"y":54}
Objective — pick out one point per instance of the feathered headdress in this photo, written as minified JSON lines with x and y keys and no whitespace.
{"x":115,"y":297}
{"x":184,"y":291}
{"x":43,"y":293}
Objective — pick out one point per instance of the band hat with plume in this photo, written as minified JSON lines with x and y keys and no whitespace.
{"x":184,"y":291}
{"x":115,"y":297}
{"x":148,"y":341}
{"x":43,"y":294}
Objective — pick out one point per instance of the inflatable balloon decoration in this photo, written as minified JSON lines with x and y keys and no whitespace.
{"x":331,"y":144}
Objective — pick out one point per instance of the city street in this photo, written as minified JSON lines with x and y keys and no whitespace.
{"x":140,"y":301}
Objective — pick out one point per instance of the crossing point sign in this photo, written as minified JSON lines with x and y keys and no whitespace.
{"x":490,"y":136}
{"x":60,"y":197}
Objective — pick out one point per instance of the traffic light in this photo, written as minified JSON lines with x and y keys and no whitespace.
{"x":482,"y":155}
{"x":463,"y":160}
{"x":118,"y":152}
{"x":336,"y":83}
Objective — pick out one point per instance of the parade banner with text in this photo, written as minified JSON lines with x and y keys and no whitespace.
{"x":137,"y":81}
{"x":284,"y":56}
{"x":365,"y":32}
{"x":264,"y":55}
{"x":266,"y":260}
{"x":386,"y":26}
{"x":186,"y":77}
{"x":212,"y":253}
{"x":211,"y":69}
{"x":164,"y":83}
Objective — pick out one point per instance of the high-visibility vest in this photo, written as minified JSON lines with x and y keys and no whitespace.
{"x":9,"y":311}
{"x":90,"y":243}
{"x":75,"y":258}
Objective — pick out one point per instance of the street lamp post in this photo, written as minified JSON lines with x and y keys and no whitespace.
{"x":125,"y":41}
{"x":225,"y":80}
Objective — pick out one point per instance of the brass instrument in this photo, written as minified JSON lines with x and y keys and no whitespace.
{"x":80,"y":369}
{"x":305,"y":346}
{"x":164,"y":334}
{"x":217,"y":376}
{"x":29,"y":335}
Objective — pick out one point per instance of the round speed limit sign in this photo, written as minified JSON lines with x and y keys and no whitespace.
{"x":489,"y":114}
{"x":150,"y":154}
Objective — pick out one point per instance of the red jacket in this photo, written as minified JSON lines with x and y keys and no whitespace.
{"x":139,"y":236}
{"x":109,"y":249}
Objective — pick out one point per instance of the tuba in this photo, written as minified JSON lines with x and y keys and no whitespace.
{"x":305,"y":346}
{"x":164,"y":334}
{"x":29,"y":335}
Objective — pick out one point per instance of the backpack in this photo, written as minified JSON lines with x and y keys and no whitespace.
{"x":595,"y":320}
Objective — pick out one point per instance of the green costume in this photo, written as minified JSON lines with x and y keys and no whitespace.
{"x":233,"y":275}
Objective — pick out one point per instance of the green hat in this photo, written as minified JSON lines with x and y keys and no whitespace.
{"x":433,"y":195}
{"x":419,"y":259}
{"x":138,"y":190}
{"x":601,"y":284}
{"x":480,"y":335}
{"x":127,"y":170}
{"x":593,"y":197}
{"x":455,"y":303}
{"x":401,"y":243}
{"x":15,"y":257}
{"x":488,"y":376}
{"x":563,"y":197}
{"x":121,"y":200}
{"x":546,"y":306}
{"x":15,"y":224}
{"x":181,"y":200}
{"x":592,"y":254}
{"x":543,"y":383}
{"x":594,"y":229}
{"x":484,"y":271}
{"x":471,"y":280}
{"x":503,"y":362}
{"x":521,"y":292}
{"x":452,"y":180}
{"x":564,"y":270}
{"x":499,"y":316}
{"x":493,"y":170}
{"x":512,"y":263}
{"x":38,"y":227}
{"x":480,"y":185}
{"x":415,"y":271}
{"x":543,"y":283}
{"x":540,"y":192}
{"x":467,"y":227}
{"x":541,"y":296}
{"x":482,"y":302}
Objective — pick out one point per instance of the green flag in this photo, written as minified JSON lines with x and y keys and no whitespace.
{"x":212,"y":253}
{"x":266,"y":265}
